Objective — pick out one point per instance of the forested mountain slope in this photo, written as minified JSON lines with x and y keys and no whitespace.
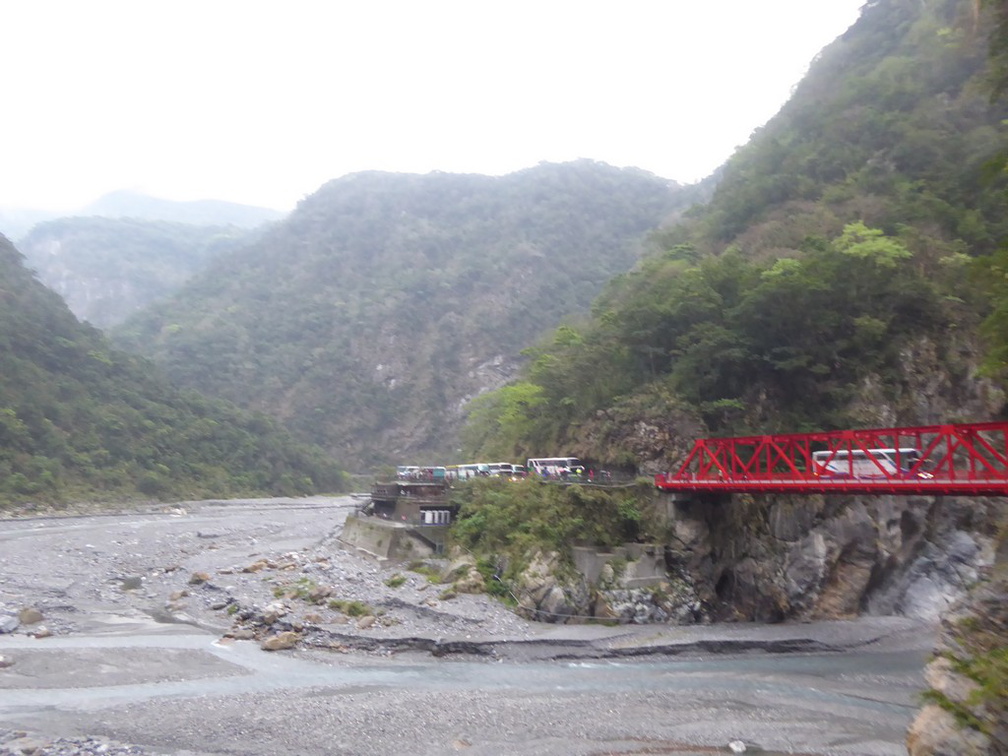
{"x":830,"y":282}
{"x":80,"y":420}
{"x":107,"y":269}
{"x":368,"y":318}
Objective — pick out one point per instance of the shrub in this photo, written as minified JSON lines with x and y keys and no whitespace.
{"x":396,"y":580}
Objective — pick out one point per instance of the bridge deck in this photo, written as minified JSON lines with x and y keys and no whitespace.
{"x":933,"y":487}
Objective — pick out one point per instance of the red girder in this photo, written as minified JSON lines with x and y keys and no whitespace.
{"x":968,"y":459}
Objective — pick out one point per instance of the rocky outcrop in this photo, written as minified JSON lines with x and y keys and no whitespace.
{"x":832,"y":557}
{"x":550,"y":591}
{"x":967,"y":709}
{"x":776,"y":558}
{"x":646,"y":431}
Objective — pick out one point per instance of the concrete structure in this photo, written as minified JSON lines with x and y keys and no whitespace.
{"x":387,"y":541}
{"x":640,"y":564}
{"x":403,"y":520}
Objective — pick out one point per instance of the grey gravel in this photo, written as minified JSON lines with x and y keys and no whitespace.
{"x":148,"y":610}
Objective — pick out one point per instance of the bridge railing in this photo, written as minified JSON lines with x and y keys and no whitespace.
{"x":964,"y":458}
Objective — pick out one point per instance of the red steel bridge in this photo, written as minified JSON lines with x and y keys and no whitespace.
{"x":966,"y":459}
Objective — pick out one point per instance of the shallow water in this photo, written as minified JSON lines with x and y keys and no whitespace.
{"x":816,"y":690}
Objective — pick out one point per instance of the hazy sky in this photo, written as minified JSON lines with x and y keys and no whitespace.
{"x":263,"y":102}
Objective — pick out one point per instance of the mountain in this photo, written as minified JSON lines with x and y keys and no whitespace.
{"x":368,"y":318}
{"x":80,"y":420}
{"x":128,"y":204}
{"x":838,"y":277}
{"x":107,"y":269}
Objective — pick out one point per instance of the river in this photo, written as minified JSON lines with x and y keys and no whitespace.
{"x":173,"y":688}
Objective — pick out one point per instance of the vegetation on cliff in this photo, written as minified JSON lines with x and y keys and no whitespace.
{"x":833,"y":269}
{"x":504,"y":524}
{"x":966,"y":709}
{"x":80,"y":420}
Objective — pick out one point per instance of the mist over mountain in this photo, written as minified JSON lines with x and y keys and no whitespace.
{"x":15,"y":222}
{"x":209,"y":212}
{"x":367,"y":319}
{"x":107,"y":269}
{"x":127,"y":250}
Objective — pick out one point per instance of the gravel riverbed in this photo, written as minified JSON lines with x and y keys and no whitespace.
{"x":144,"y":633}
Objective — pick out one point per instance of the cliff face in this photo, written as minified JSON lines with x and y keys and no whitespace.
{"x":832,"y":557}
{"x":772,"y":558}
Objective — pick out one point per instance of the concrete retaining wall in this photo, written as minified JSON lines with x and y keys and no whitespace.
{"x":387,"y":541}
{"x":642,"y":564}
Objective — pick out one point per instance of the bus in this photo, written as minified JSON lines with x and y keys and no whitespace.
{"x":465,"y":472}
{"x":869,"y":463}
{"x":554,"y":466}
{"x":507,"y":470}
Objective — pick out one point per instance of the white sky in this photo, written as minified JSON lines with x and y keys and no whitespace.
{"x":263,"y":102}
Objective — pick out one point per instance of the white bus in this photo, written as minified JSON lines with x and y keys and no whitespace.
{"x":554,"y":466}
{"x":465,"y":472}
{"x":870,"y":463}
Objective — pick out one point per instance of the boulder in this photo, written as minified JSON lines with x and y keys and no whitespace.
{"x":935,"y":732}
{"x":280,"y":641}
{"x":30,"y":615}
{"x":471,"y":582}
{"x":273,"y":611}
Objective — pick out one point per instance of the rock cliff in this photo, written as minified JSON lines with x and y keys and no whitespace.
{"x":771,"y":559}
{"x":966,"y":710}
{"x":831,"y":557}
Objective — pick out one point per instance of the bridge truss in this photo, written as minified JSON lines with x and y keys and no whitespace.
{"x":966,"y":459}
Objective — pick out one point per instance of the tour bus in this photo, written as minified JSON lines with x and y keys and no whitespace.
{"x":507,"y":470}
{"x":464,"y":472}
{"x":554,"y":466}
{"x":871,"y":463}
{"x":416,"y":472}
